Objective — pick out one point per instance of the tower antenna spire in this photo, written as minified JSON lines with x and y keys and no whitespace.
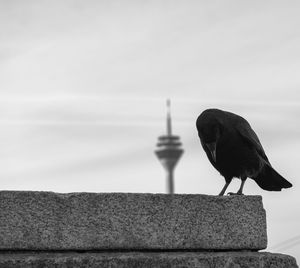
{"x":169,"y":121}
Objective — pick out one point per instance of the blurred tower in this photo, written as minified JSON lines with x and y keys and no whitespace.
{"x":169,"y":151}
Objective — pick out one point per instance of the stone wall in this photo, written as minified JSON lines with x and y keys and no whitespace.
{"x":45,"y":229}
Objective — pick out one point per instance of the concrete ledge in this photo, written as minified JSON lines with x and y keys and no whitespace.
{"x":90,"y":221}
{"x":145,"y":260}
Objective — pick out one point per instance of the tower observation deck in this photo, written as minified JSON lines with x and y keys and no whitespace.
{"x":169,"y":151}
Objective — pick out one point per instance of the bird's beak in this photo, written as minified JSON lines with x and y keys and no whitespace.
{"x":212,"y":148}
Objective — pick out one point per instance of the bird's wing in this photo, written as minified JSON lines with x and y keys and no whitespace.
{"x":248,"y":134}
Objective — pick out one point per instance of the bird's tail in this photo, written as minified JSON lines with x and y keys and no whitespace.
{"x":269,"y":179}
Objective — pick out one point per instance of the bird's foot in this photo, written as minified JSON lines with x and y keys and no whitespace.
{"x":238,"y":193}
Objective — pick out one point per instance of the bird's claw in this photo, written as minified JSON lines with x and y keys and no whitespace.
{"x":230,"y":193}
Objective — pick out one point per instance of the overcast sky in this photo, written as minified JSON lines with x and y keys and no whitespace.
{"x":83,"y":86}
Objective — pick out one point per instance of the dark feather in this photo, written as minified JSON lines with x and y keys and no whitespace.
{"x":269,"y":179}
{"x":251,"y":138}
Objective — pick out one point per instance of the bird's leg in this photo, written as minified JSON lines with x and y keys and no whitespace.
{"x":225,"y":186}
{"x":240,"y":191}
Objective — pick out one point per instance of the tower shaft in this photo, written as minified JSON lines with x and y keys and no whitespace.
{"x":170,"y":181}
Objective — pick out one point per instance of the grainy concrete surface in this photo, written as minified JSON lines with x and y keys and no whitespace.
{"x":147,"y":260}
{"x":104,"y":221}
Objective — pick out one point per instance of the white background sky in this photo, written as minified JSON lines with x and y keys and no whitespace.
{"x":83,"y":87}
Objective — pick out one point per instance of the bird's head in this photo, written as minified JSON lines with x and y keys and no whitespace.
{"x":210,"y":129}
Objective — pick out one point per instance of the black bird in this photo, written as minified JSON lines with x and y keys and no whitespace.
{"x":234,"y":149}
